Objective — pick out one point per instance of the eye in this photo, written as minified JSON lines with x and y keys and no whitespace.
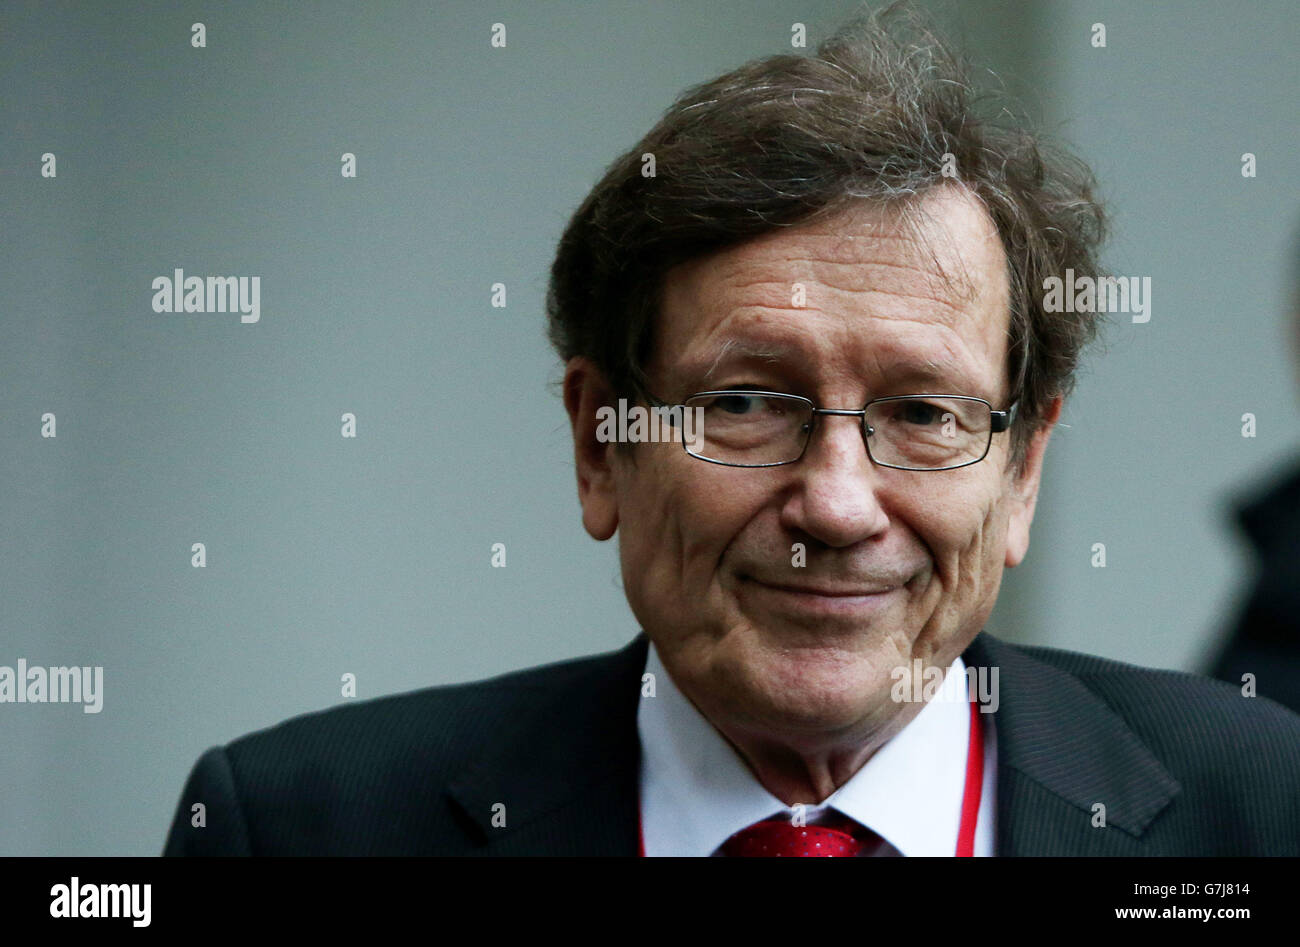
{"x":736,"y":404}
{"x":917,"y":412}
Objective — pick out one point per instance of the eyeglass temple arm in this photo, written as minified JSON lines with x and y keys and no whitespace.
{"x":1001,"y":420}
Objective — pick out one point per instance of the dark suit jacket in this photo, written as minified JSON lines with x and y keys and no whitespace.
{"x":1266,"y":639}
{"x":1183,"y":765}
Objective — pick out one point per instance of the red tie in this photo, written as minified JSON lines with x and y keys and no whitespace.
{"x":778,"y":838}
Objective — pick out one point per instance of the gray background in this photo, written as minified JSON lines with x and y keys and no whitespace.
{"x":371,"y":556}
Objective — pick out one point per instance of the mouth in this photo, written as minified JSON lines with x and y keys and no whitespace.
{"x":829,"y":591}
{"x":824,"y":599}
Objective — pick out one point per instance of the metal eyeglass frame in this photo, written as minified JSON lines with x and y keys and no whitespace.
{"x":999,"y":421}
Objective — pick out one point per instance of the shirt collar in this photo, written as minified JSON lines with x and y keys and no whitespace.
{"x":696,"y":791}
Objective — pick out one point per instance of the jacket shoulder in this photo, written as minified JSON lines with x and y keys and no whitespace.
{"x":370,"y":777}
{"x":1225,"y":748}
{"x":1176,"y":700}
{"x":448,"y":721}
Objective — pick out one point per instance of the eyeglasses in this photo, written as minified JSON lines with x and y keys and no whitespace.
{"x":748,"y":428}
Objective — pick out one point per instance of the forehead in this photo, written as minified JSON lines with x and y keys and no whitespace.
{"x":885,"y":297}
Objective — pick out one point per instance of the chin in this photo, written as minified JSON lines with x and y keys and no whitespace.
{"x":815,"y":689}
{"x":820,"y":714}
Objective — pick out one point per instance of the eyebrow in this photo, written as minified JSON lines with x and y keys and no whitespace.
{"x":748,"y":351}
{"x":927,"y":371}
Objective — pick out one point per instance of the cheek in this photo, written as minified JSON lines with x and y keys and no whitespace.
{"x":965,"y":530}
{"x":675,"y":523}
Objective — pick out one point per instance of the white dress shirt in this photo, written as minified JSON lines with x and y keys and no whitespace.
{"x":696,"y":791}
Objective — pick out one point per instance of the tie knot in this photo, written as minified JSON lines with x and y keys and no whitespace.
{"x":779,"y":838}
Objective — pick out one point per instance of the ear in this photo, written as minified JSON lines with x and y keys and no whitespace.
{"x":1024,"y":487}
{"x":585,"y":391}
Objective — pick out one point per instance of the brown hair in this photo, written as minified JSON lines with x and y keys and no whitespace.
{"x":875,"y":114}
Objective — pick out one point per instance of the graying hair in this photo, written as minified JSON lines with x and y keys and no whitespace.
{"x":785,"y":140}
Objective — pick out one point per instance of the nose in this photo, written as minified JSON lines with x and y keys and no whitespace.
{"x":835,"y":498}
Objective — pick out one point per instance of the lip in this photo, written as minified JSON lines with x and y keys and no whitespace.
{"x":825,"y":590}
{"x":825,"y":600}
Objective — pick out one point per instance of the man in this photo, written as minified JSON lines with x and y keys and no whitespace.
{"x":835,"y":267}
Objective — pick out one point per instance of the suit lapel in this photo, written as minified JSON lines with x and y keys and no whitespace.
{"x":567,"y":776}
{"x":1061,"y":753}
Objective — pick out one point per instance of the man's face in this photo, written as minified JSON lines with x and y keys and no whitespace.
{"x":708,"y":551}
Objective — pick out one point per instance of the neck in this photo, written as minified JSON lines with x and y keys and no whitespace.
{"x":797,"y":769}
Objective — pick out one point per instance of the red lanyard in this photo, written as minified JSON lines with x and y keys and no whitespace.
{"x":970,"y":796}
